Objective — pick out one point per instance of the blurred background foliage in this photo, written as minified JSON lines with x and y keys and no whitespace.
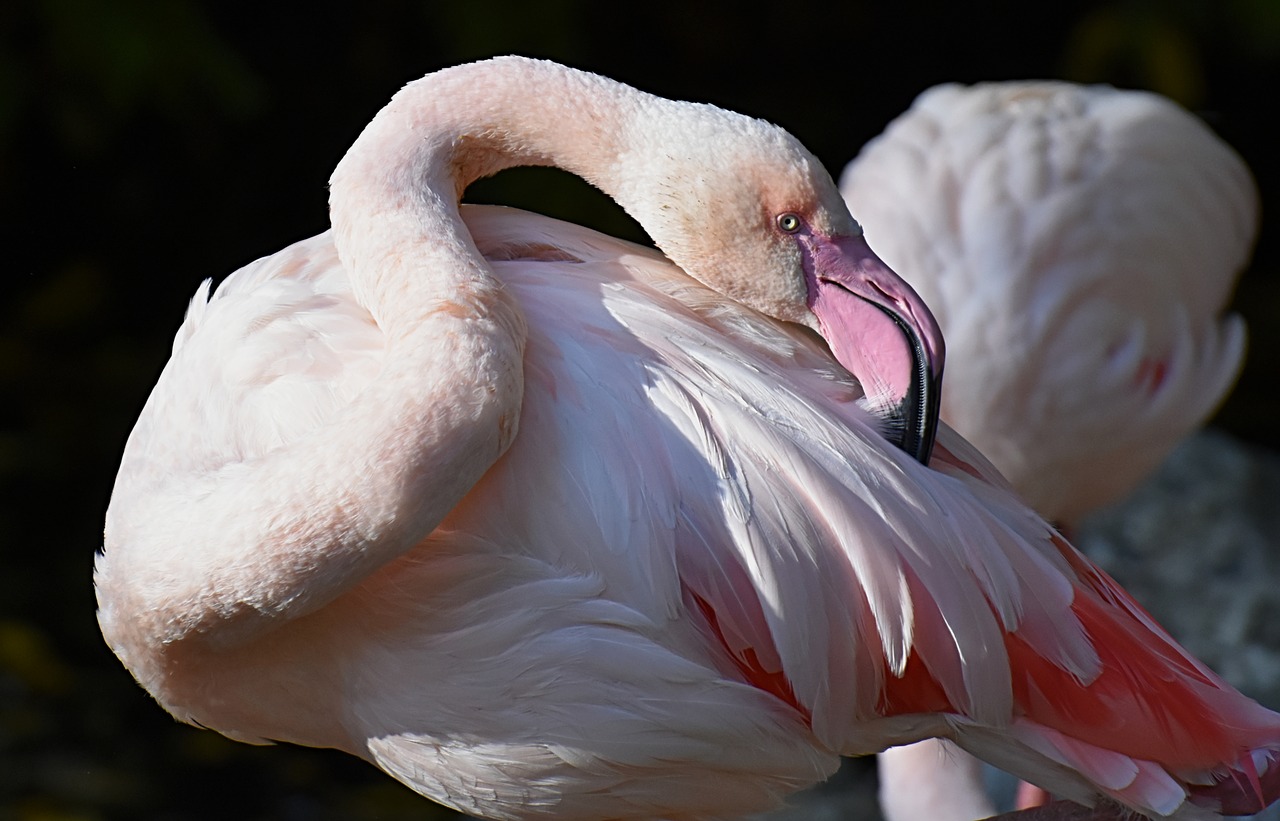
{"x":148,"y":144}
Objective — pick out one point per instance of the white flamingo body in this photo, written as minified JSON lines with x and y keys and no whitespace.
{"x":1078,"y":245}
{"x":544,"y":527}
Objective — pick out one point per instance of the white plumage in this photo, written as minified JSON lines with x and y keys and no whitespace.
{"x":1078,"y":245}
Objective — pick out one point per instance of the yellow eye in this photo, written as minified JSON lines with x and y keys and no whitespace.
{"x":789,"y":223}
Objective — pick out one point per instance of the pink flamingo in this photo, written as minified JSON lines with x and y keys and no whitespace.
{"x":548,"y":525}
{"x":1078,"y":246}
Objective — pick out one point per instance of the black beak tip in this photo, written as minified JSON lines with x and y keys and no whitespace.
{"x":919,"y":411}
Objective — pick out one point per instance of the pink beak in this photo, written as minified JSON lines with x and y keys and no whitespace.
{"x":882,"y":332}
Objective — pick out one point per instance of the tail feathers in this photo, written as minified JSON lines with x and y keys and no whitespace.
{"x":1079,"y":771}
{"x":1149,"y":699}
{"x":1249,"y":787}
{"x":1153,"y":728}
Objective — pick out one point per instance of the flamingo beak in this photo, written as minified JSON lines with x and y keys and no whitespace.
{"x":882,"y":332}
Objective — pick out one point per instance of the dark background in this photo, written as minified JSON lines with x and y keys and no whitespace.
{"x":148,"y":144}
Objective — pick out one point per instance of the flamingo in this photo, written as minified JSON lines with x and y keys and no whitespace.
{"x":1078,"y":245}
{"x":549,"y":525}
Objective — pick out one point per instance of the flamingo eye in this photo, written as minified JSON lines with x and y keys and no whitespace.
{"x":789,"y":223}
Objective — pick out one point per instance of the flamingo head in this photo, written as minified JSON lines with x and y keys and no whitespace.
{"x":743,"y":207}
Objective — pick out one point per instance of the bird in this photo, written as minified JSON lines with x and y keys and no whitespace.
{"x":545,"y":524}
{"x":1078,"y":245}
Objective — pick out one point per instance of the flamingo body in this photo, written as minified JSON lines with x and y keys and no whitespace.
{"x":668,"y":564}
{"x":1078,"y":245}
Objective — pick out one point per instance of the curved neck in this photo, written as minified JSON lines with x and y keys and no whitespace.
{"x":394,"y":196}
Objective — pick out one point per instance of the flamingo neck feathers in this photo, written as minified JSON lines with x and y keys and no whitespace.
{"x":394,"y":196}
